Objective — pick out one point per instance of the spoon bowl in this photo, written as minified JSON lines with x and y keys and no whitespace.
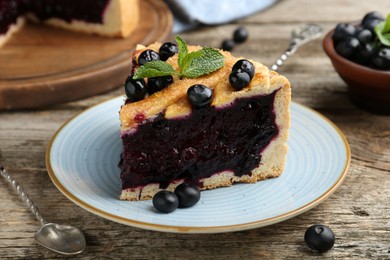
{"x":63,"y":239}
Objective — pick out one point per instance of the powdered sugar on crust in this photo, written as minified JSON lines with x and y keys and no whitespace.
{"x":173,"y":102}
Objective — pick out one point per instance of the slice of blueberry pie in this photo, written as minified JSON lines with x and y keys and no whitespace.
{"x":103,"y":17}
{"x":200,"y":116}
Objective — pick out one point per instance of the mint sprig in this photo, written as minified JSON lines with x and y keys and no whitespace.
{"x":155,"y":68}
{"x":382,"y":31}
{"x":191,"y":64}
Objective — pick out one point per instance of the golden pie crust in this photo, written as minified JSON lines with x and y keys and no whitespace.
{"x":172,"y":102}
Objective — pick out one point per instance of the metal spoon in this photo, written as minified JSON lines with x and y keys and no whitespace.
{"x":62,"y":239}
{"x":299,"y":37}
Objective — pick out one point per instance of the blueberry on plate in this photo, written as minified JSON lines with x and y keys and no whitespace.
{"x":167,"y":50}
{"x":240,"y":35}
{"x":348,"y":48}
{"x":200,"y":95}
{"x":156,"y":84}
{"x":165,"y":201}
{"x":227,"y":45}
{"x":239,"y":79}
{"x":320,"y":238}
{"x":135,"y":89}
{"x":146,"y":56}
{"x":188,"y":195}
{"x":343,"y":31}
{"x":245,"y":65}
{"x":381,"y":59}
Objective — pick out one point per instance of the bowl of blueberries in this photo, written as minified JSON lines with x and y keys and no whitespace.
{"x":360,"y":53}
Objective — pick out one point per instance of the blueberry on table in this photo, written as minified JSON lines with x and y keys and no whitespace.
{"x":146,"y":56}
{"x":228,"y":45}
{"x":188,"y":195}
{"x":246,"y":66}
{"x":348,"y":48}
{"x":167,"y":50}
{"x":239,"y":79}
{"x":200,"y":95}
{"x":240,"y":35}
{"x":165,"y":201}
{"x":156,"y":84}
{"x":343,"y":31}
{"x":320,"y":238}
{"x":135,"y":89}
{"x":381,"y":59}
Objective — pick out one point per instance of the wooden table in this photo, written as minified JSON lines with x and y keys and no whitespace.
{"x":358,"y":212}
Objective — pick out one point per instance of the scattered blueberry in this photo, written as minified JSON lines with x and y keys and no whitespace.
{"x":156,"y":84}
{"x":227,"y":45}
{"x":245,"y":65}
{"x":239,"y":79}
{"x":200,"y":95}
{"x":135,"y":89}
{"x":188,"y":195}
{"x":146,"y":56}
{"x":320,"y":238}
{"x":167,"y":50}
{"x":240,"y":35}
{"x":348,"y":48}
{"x":165,"y":201}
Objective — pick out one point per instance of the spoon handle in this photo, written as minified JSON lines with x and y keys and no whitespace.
{"x":299,"y":37}
{"x":22,"y":194}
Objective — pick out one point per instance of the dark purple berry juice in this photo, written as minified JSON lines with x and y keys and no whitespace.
{"x":208,"y":141}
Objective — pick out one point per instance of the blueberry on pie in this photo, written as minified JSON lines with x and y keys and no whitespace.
{"x":203,"y":130}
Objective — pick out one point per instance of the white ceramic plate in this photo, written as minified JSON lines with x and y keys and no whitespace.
{"x":83,"y":155}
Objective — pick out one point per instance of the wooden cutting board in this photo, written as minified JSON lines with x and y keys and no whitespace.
{"x":41,"y":65}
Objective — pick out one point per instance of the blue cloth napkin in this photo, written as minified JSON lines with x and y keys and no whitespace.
{"x":189,"y":14}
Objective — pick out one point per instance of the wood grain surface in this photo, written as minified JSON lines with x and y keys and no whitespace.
{"x":358,"y":212}
{"x":42,"y":65}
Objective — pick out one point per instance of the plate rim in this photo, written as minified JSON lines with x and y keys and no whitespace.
{"x":192,"y":229}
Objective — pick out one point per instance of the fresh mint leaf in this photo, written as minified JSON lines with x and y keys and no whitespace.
{"x":183,"y":50}
{"x":154,"y":68}
{"x":210,"y":60}
{"x":188,"y":59}
{"x":191,"y":65}
{"x":386,"y":27}
{"x":385,"y":39}
{"x":382,"y":31}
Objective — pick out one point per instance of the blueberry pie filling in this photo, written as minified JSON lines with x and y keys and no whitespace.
{"x":8,"y":15}
{"x":88,"y":11}
{"x":205,"y":131}
{"x":103,"y":17}
{"x":210,"y":140}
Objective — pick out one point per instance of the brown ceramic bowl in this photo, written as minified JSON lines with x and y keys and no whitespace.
{"x":367,"y":88}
